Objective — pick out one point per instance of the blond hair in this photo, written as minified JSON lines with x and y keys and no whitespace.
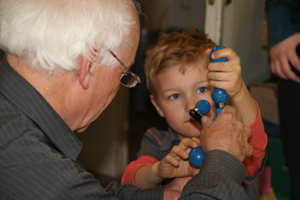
{"x":185,"y":48}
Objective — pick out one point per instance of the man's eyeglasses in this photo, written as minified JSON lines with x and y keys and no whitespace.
{"x":128,"y":79}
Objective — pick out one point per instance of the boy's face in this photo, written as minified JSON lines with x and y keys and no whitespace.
{"x":177,"y":94}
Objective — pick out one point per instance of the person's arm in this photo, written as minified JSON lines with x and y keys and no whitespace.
{"x":147,"y":172}
{"x":130,"y":170}
{"x":225,"y":143}
{"x":220,"y":177}
{"x":283,"y":38}
{"x":230,"y":79}
{"x":175,"y":164}
{"x":258,"y":140}
{"x":85,"y":186}
{"x":228,"y":76}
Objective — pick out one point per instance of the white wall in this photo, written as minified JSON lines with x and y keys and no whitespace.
{"x":174,"y":14}
{"x":242,"y":31}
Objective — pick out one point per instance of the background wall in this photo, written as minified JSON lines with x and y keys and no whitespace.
{"x":242,"y":31}
{"x":241,"y":28}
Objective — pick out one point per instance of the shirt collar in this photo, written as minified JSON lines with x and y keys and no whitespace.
{"x":24,"y":96}
{"x":169,"y":140}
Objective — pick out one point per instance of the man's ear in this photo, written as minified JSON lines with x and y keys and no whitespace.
{"x":85,"y":72}
{"x":156,"y":105}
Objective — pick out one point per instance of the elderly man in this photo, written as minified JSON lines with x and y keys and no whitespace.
{"x":62,"y":69}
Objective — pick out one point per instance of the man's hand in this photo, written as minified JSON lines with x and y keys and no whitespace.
{"x":173,"y":190}
{"x":284,"y":53}
{"x":226,"y":133}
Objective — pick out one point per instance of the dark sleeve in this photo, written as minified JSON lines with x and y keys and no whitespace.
{"x":30,"y":169}
{"x":283,"y":19}
{"x":85,"y":186}
{"x":220,"y":177}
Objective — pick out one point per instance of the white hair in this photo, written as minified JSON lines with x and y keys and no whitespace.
{"x":53,"y":34}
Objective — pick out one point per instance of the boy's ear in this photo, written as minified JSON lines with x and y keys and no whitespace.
{"x":156,"y":105}
{"x":85,"y":72}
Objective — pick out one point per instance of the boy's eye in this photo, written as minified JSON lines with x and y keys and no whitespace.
{"x":202,"y":90}
{"x":174,"y":96}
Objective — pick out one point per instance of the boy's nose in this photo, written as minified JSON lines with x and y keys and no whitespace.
{"x":191,"y":103}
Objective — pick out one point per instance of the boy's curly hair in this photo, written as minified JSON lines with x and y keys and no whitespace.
{"x":185,"y":48}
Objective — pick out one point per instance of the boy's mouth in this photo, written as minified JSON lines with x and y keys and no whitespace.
{"x":192,"y":120}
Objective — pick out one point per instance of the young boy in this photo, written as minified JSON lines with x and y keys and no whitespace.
{"x":178,"y":75}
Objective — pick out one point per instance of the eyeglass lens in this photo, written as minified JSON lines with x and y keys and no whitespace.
{"x":128,"y":80}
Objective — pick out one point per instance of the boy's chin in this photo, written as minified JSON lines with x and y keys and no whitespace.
{"x":191,"y":132}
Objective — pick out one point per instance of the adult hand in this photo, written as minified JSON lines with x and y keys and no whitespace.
{"x":173,"y":190}
{"x":284,"y":53}
{"x":226,"y":133}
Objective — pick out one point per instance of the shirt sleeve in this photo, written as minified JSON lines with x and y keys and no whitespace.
{"x":281,"y":20}
{"x":220,"y":177}
{"x":85,"y":186}
{"x":258,"y":140}
{"x":130,"y":170}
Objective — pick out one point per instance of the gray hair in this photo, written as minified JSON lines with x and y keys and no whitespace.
{"x":53,"y":34}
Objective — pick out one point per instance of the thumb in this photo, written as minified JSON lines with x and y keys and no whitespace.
{"x":206,"y":121}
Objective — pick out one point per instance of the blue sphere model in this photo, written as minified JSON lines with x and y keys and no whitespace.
{"x":216,"y":48}
{"x":203,"y":107}
{"x":219,"y":96}
{"x":196,"y":157}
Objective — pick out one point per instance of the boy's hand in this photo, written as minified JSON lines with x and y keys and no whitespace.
{"x":226,"y":75}
{"x":176,"y":163}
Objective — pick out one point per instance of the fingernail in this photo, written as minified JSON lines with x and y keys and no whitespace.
{"x":213,"y":56}
{"x":204,"y":119}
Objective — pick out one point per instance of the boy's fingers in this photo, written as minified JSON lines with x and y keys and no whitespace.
{"x":227,"y":52}
{"x":170,"y":160}
{"x":180,"y":152}
{"x":187,"y":143}
{"x":196,"y":139}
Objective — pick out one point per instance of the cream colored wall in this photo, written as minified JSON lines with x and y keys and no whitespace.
{"x":242,"y":30}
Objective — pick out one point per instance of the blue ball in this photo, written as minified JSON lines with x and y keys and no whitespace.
{"x":216,"y":48}
{"x":196,"y":157}
{"x":219,"y":96}
{"x":203,"y":107}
